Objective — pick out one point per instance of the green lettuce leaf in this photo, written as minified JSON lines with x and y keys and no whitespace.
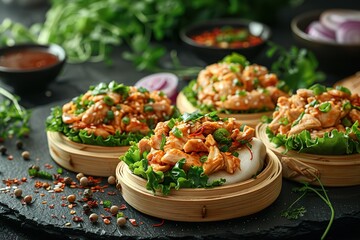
{"x":332,"y":143}
{"x":175,"y":178}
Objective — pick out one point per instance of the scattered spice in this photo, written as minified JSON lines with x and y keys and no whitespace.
{"x":19,"y":144}
{"x":18,"y":192}
{"x":84,"y":181}
{"x":25,"y":155}
{"x":133,"y":222}
{"x":93,"y":217}
{"x":79,"y":176}
{"x":159,"y":224}
{"x":10,"y":157}
{"x":121,"y":221}
{"x":114,"y":209}
{"x":111,"y":180}
{"x":106,"y":221}
{"x":77,"y":219}
{"x":67,"y":180}
{"x":27,"y":199}
{"x":71,"y":198}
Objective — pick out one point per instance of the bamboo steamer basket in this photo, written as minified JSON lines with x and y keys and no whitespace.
{"x":332,"y":170}
{"x":88,"y":159}
{"x":250,"y":119}
{"x":351,"y":82}
{"x":200,"y":204}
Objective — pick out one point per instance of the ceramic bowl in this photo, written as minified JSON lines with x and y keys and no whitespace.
{"x":31,"y":67}
{"x":340,"y":59}
{"x":212,"y":54}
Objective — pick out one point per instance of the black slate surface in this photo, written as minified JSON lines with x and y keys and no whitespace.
{"x":39,"y":221}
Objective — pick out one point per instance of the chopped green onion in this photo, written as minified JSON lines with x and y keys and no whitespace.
{"x":343,"y":89}
{"x":125,"y":120}
{"x":177,"y":133}
{"x":171,"y":123}
{"x":163,"y":142}
{"x":148,"y":108}
{"x":325,"y":107}
{"x":296,"y":122}
{"x":108,"y":100}
{"x":203,"y":158}
{"x":318,"y":89}
{"x":107,"y":204}
{"x":110,"y":115}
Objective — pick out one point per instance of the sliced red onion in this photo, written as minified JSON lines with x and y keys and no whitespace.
{"x":348,"y":32}
{"x":320,"y":32}
{"x":165,"y":82}
{"x":334,"y":17}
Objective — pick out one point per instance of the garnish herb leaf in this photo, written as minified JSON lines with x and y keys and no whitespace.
{"x":296,"y":67}
{"x":294,"y":213}
{"x":14,"y":119}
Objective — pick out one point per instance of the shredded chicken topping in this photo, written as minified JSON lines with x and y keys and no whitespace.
{"x":106,"y":112}
{"x":230,"y":86}
{"x":331,"y":109}
{"x":204,"y":142}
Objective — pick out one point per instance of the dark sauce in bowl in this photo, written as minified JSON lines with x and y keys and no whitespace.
{"x":27,"y":59}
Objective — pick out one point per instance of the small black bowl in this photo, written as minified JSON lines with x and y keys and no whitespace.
{"x":340,"y":59}
{"x":31,"y":79}
{"x":211,"y":54}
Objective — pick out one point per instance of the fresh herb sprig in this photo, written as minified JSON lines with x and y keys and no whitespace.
{"x":14,"y":119}
{"x":88,"y":29}
{"x":298,"y":68}
{"x":293,"y":212}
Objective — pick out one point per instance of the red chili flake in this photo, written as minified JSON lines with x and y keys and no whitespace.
{"x":10,"y":157}
{"x":63,"y":204}
{"x":105,"y":217}
{"x":54,"y":216}
{"x":77,"y":219}
{"x":197,"y":132}
{"x":48,"y":166}
{"x":106,"y":221}
{"x":133,"y":222}
{"x":159,"y":224}
{"x":111,"y":193}
{"x":63,"y":197}
{"x":63,"y":216}
{"x":92,"y":204}
{"x":122,"y":207}
{"x":24,"y":179}
{"x":51,"y":206}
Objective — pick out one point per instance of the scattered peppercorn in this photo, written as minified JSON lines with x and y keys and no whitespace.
{"x":3,"y":149}
{"x":88,"y":193}
{"x":79,"y":176}
{"x":114,"y":209}
{"x":111,"y":180}
{"x":121,"y":221}
{"x":84,"y":181}
{"x":71,"y":198}
{"x":28,"y":199}
{"x":93,"y":217}
{"x":18,"y":192}
{"x":86,"y":208}
{"x":35,"y":167}
{"x":25,"y":155}
{"x":19,"y":144}
{"x":67,"y":180}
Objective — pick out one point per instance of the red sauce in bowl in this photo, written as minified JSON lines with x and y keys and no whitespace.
{"x":27,"y":59}
{"x":227,"y":37}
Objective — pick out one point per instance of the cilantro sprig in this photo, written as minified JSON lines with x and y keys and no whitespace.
{"x":14,"y":119}
{"x":293,"y":212}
